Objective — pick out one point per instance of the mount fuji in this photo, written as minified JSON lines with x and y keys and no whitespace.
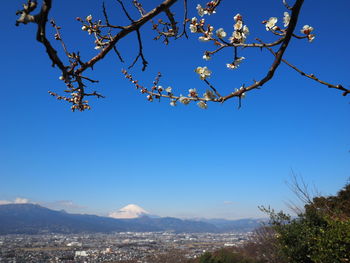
{"x":129,"y":212}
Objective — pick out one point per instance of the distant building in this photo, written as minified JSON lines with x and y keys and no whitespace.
{"x":81,"y":253}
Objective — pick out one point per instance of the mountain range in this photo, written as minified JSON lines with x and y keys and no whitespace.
{"x":35,"y":219}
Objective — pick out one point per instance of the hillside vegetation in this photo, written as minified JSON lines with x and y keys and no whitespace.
{"x":319,"y":234}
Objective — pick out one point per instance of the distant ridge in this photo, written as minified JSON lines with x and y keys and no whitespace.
{"x":35,"y":219}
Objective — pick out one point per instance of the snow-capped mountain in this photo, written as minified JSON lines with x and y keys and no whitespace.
{"x":129,"y":211}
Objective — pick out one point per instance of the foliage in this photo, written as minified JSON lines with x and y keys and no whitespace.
{"x":225,"y":256}
{"x":320,"y":234}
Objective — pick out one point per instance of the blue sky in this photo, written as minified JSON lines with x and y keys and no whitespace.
{"x":182,"y":161}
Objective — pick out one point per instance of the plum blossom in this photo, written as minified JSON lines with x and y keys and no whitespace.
{"x":193,"y":28}
{"x":245,"y":31}
{"x":271,"y":23}
{"x":173,"y":103}
{"x":168,"y":89}
{"x":235,"y":64}
{"x":206,"y":56}
{"x":286,"y":19}
{"x":89,"y":18}
{"x":238,"y":25}
{"x":237,"y":17}
{"x":209,"y":95}
{"x":307,"y":29}
{"x":201,"y":11}
{"x":184,"y":100}
{"x":236,"y":37}
{"x":150,"y":98}
{"x":202,"y":105}
{"x":220,"y":33}
{"x":192,"y":93}
{"x":203,"y":72}
{"x":204,"y":39}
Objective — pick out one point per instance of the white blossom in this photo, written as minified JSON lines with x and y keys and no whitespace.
{"x":168,"y":89}
{"x":173,"y":103}
{"x":238,"y":25}
{"x":206,"y":56}
{"x":203,"y":72}
{"x":149,"y":97}
{"x":237,"y":17}
{"x":160,"y":88}
{"x":236,"y":37}
{"x":98,"y":47}
{"x":194,"y":20}
{"x":235,"y":64}
{"x":202,"y":105}
{"x":220,"y":33}
{"x":84,"y":28}
{"x":89,"y":18}
{"x":76,"y":100}
{"x":184,"y":100}
{"x":193,"y":28}
{"x":311,"y":37}
{"x":209,"y":95}
{"x":245,"y":31}
{"x":307,"y":29}
{"x":192,"y":93}
{"x":201,"y":10}
{"x":204,"y":39}
{"x":271,"y":23}
{"x":61,"y":78}
{"x":286,"y":19}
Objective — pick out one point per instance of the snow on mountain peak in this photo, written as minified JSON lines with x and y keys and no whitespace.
{"x":128,"y":212}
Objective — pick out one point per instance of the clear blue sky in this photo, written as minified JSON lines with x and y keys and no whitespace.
{"x":182,"y":161}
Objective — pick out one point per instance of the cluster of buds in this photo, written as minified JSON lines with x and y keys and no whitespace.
{"x":307,"y":31}
{"x":168,"y":30}
{"x":57,"y":35}
{"x":208,"y":10}
{"x":240,"y":32}
{"x":94,"y":28}
{"x":195,"y":25}
{"x":75,"y":99}
{"x":207,"y":34}
{"x":243,"y":95}
{"x":198,"y":27}
{"x":158,"y":92}
{"x":25,"y":16}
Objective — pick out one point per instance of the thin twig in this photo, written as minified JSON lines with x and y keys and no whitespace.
{"x":312,"y":76}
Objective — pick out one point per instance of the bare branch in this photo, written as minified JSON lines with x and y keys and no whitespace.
{"x":287,"y":5}
{"x":140,"y":55}
{"x":312,"y":76}
{"x":127,"y":30}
